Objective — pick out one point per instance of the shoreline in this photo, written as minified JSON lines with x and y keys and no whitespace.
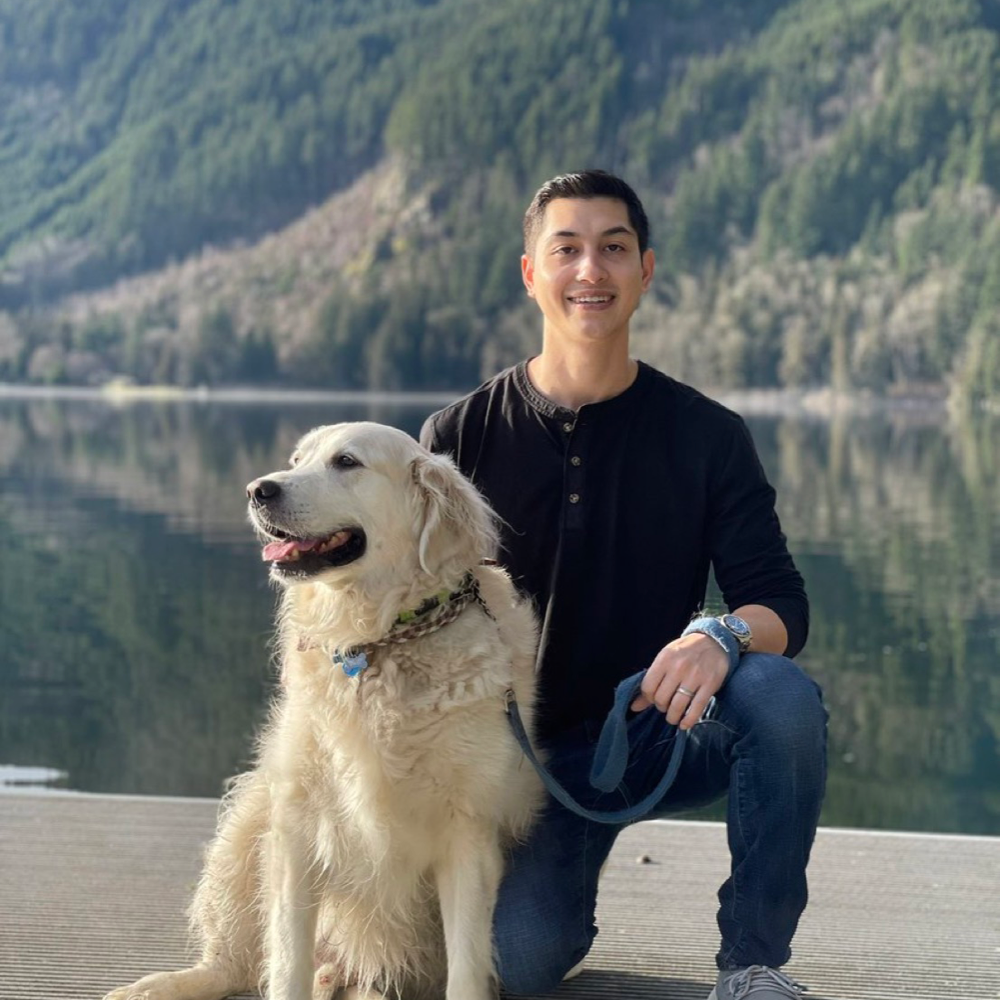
{"x":116,"y":394}
{"x":827,"y":403}
{"x":817,"y":403}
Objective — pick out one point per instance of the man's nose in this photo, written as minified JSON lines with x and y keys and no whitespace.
{"x":591,"y":268}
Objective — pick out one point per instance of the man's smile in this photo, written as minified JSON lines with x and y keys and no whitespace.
{"x":591,"y":300}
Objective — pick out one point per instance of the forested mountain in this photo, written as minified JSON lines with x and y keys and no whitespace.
{"x":822,"y":178}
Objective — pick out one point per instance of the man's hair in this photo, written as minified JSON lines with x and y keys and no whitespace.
{"x":585,"y":184}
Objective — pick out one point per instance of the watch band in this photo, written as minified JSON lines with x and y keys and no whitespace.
{"x":716,"y":630}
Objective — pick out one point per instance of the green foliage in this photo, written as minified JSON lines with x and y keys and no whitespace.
{"x":478,"y":98}
{"x":159,"y":125}
{"x":863,"y":138}
{"x":979,"y":370}
{"x":258,"y":358}
{"x":390,"y":342}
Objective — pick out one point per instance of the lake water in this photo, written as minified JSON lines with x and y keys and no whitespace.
{"x":135,"y":611}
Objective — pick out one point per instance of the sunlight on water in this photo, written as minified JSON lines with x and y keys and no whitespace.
{"x":15,"y":779}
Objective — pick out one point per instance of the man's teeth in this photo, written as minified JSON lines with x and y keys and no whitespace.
{"x":592,"y":298}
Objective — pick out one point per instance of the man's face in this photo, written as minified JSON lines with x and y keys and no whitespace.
{"x":586,"y":272}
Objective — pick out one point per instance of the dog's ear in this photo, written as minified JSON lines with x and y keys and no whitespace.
{"x":456,"y":524}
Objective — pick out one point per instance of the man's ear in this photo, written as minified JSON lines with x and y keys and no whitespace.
{"x":648,"y":266}
{"x":528,"y":274}
{"x":455,"y":524}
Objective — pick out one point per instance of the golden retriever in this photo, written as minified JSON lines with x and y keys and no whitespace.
{"x":361,"y":856}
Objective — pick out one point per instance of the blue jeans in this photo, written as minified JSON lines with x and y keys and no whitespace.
{"x":765,"y":744}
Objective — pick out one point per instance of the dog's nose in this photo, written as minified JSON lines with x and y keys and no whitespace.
{"x":262,"y":490}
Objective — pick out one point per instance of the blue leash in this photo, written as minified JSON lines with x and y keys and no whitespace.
{"x":610,"y":758}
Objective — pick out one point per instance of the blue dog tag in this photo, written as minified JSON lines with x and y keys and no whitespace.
{"x":352,"y":665}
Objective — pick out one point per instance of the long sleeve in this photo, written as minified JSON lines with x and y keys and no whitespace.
{"x":748,"y":549}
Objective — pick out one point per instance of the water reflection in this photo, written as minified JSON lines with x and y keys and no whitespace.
{"x":898,"y":526}
{"x":134,"y":611}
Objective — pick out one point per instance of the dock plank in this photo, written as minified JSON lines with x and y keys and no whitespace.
{"x":95,"y":888}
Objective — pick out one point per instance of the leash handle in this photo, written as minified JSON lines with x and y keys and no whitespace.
{"x":610,"y":759}
{"x":611,"y":753}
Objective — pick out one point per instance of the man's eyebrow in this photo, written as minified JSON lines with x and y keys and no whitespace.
{"x":563,"y":234}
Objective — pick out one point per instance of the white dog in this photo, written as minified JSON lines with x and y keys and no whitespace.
{"x":361,"y":856}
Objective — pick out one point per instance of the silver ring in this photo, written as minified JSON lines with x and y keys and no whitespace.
{"x":684,"y":690}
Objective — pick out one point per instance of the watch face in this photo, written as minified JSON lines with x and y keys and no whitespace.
{"x":736,"y":625}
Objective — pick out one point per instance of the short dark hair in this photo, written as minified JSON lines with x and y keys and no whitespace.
{"x":585,"y":184}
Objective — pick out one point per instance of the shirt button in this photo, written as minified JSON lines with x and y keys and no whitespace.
{"x":574,"y":498}
{"x":568,"y":427}
{"x":575,"y":460}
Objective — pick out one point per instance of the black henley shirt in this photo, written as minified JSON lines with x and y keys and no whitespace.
{"x":611,"y":517}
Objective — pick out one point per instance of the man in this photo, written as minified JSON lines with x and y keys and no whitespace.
{"x":617,"y":488}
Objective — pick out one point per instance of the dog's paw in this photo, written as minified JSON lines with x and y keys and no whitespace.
{"x":327,"y":979}
{"x":159,"y":986}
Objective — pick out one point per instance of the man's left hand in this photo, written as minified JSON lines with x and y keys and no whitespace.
{"x":683,"y":678}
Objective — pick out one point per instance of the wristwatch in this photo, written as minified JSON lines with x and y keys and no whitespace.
{"x":740,"y":630}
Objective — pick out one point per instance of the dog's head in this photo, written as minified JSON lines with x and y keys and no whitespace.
{"x":363,"y":499}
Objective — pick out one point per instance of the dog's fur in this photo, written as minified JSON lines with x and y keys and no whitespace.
{"x":361,"y":855}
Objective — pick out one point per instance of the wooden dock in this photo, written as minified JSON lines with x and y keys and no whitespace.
{"x":94,"y":890}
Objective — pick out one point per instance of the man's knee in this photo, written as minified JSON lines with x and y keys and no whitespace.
{"x":777,"y":701}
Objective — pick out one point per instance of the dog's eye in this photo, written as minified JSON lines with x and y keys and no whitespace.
{"x":345,"y":461}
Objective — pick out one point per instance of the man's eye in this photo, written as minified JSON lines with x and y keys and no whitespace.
{"x":562,"y":251}
{"x":345,"y":461}
{"x":615,"y":247}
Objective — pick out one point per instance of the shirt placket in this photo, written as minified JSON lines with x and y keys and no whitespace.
{"x":574,"y":467}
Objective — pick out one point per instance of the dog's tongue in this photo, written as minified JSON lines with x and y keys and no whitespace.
{"x":279,"y":551}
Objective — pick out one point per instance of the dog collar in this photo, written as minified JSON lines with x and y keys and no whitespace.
{"x":435,"y":612}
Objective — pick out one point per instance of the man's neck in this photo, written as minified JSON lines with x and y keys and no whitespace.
{"x":574,"y":380}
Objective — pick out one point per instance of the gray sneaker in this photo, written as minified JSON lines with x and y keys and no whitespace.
{"x":757,"y":981}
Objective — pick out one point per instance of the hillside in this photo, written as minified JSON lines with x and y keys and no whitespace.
{"x":330,"y":193}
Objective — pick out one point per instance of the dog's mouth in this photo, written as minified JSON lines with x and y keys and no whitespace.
{"x":301,"y":557}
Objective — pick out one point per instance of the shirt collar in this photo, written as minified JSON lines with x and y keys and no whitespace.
{"x":548,"y":408}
